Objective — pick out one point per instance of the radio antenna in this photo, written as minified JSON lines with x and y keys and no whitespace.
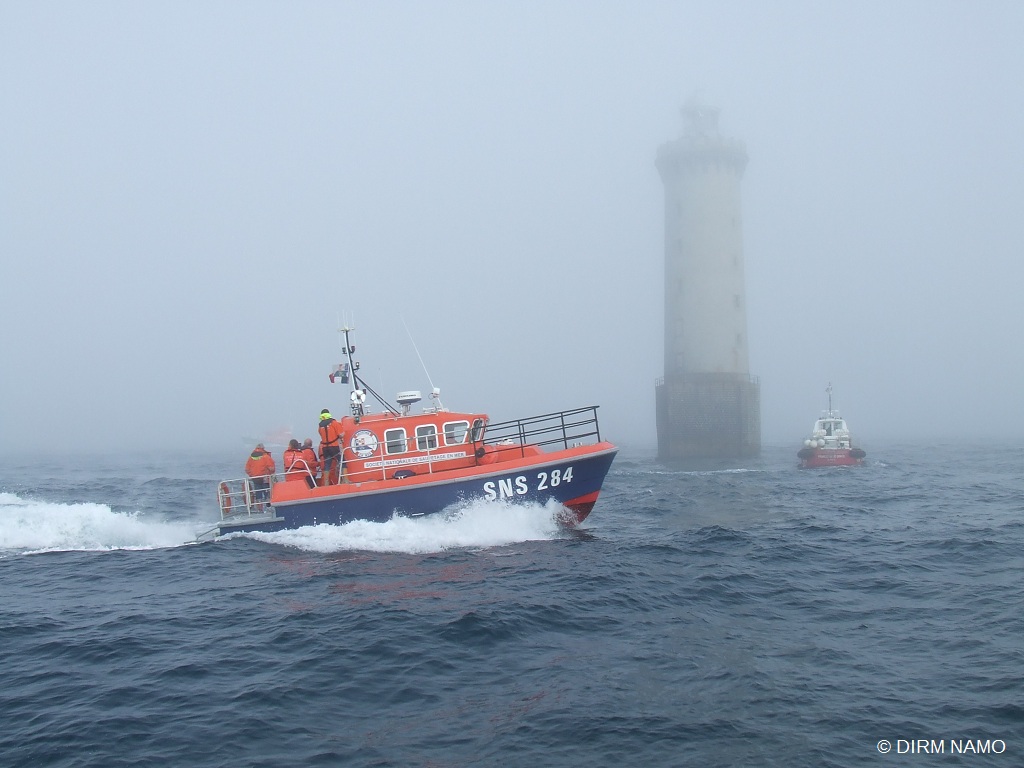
{"x":435,"y":393}
{"x":417,"y":352}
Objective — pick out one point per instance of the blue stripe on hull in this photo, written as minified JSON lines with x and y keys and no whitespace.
{"x":526,"y":484}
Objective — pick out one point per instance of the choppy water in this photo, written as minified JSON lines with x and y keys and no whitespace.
{"x":754,"y":616}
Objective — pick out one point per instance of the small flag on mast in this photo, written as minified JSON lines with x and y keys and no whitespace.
{"x":341,"y":372}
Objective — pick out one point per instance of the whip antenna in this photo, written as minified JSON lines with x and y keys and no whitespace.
{"x":435,"y":392}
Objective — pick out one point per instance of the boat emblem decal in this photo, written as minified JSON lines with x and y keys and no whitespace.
{"x":364,"y":443}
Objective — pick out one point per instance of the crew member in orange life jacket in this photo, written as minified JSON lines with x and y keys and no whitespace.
{"x":330,"y":448}
{"x":295,"y":465}
{"x":260,"y":467}
{"x":310,"y":456}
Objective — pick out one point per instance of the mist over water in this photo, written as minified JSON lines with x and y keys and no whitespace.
{"x":192,"y":196}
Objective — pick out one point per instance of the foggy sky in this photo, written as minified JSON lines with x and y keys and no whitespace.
{"x":193,"y":194}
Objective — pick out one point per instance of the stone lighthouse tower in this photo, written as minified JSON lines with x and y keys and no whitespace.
{"x":708,"y":406}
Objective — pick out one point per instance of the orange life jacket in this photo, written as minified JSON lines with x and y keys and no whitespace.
{"x":296,"y":467}
{"x":309,"y":455}
{"x":260,"y":464}
{"x":330,"y":433}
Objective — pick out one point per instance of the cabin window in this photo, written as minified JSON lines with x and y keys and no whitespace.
{"x":394,"y":439}
{"x":455,"y":432}
{"x":426,"y":437}
{"x":478,"y":430}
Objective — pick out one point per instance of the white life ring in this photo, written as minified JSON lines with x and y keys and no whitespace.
{"x":358,"y":396}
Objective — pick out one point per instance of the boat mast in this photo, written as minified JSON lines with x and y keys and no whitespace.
{"x":829,"y":390}
{"x":359,"y":385}
{"x":357,"y":396}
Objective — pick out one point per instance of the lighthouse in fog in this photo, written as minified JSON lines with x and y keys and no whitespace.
{"x":708,"y":405}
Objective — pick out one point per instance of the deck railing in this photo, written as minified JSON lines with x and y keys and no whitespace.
{"x":235,"y":497}
{"x":561,"y":428}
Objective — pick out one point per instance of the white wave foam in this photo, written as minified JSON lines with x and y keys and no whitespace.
{"x":477,"y":524}
{"x":28,"y":526}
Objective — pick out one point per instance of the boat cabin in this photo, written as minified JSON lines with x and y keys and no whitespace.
{"x":387,"y":446}
{"x":832,"y":430}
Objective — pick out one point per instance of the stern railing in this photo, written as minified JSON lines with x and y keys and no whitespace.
{"x":244,"y":497}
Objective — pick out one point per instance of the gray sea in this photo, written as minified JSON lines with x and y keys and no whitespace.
{"x":753,"y":615}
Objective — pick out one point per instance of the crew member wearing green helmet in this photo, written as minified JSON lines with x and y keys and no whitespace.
{"x":331,"y":438}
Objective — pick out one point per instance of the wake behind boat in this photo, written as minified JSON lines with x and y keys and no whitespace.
{"x":399,"y":463}
{"x":830,"y":444}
